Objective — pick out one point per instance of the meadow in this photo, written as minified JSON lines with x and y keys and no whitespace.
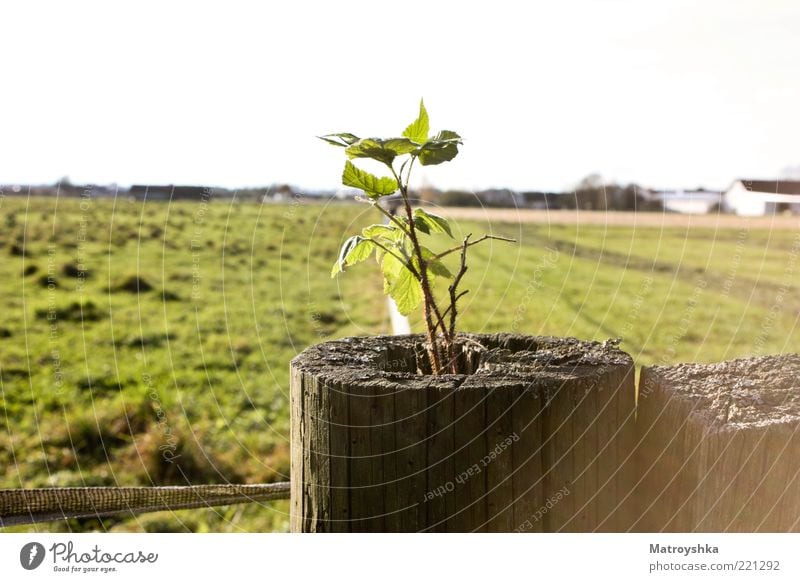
{"x":147,"y":343}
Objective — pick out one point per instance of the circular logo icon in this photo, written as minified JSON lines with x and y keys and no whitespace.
{"x":31,"y":555}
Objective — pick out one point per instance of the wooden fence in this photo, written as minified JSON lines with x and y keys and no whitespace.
{"x":26,"y":506}
{"x":710,"y":448}
{"x":719,"y":446}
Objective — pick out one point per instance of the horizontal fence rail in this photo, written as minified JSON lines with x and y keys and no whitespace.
{"x":27,"y":506}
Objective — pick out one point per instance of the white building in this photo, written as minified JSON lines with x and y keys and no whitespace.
{"x":762,"y":197}
{"x":688,"y":201}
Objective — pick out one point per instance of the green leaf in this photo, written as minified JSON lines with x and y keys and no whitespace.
{"x":339,"y":139}
{"x":447,"y":136}
{"x":418,"y":130}
{"x":373,"y":186}
{"x":378,"y":231}
{"x":391,"y":266}
{"x":381,"y":150}
{"x":436,"y":156}
{"x":435,"y":266}
{"x":400,"y":284}
{"x":400,"y":145}
{"x":431,"y":223}
{"x":370,"y":148}
{"x":354,"y":250}
{"x":442,"y":148}
{"x":383,"y":232}
{"x":360,"y":252}
{"x":406,"y":292}
{"x":348,"y":245}
{"x":439,"y":269}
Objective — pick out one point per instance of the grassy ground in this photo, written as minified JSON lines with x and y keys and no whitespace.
{"x":671,"y":294}
{"x":148,"y":343}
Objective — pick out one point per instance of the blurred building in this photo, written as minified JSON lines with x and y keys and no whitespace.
{"x":763,"y":197}
{"x":698,"y":201}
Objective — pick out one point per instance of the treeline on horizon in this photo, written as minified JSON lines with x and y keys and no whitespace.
{"x":590,"y":194}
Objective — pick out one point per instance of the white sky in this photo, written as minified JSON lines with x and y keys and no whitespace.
{"x":667,"y":94}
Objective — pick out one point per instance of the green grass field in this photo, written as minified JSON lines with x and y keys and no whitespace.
{"x":148,"y":343}
{"x":173,"y":346}
{"x":671,"y":295}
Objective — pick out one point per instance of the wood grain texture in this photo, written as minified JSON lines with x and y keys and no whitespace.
{"x":719,"y":446}
{"x":410,"y":460}
{"x":440,"y":458}
{"x":469,"y":435}
{"x":498,"y":461}
{"x":513,"y":446}
{"x":528,"y":477}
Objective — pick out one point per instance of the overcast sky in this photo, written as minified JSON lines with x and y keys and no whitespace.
{"x":665,"y":94}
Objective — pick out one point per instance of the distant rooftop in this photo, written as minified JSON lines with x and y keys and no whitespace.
{"x":772,"y":186}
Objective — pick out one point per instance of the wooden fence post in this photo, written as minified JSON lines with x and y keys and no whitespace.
{"x":534,"y":438}
{"x":720,"y":447}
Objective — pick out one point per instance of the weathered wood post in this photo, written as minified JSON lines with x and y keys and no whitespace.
{"x":534,"y":437}
{"x":720,"y":446}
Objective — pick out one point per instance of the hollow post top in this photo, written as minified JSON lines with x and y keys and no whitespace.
{"x":732,"y":395}
{"x":502,"y":359}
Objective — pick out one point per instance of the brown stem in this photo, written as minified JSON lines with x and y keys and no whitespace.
{"x":452,"y":309}
{"x":454,"y":296}
{"x":449,"y":307}
{"x":430,"y":307}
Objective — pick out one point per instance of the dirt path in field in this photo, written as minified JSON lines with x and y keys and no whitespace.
{"x":637,"y":219}
{"x":751,"y":291}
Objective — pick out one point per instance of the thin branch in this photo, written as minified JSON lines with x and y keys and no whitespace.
{"x":454,"y":286}
{"x":391,"y":218}
{"x":403,"y":165}
{"x":449,"y":307}
{"x":476,"y":241}
{"x":408,"y":174}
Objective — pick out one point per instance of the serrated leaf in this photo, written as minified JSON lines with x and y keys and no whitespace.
{"x":381,"y":150}
{"x":339,"y":139}
{"x":354,"y":250}
{"x":383,"y":231}
{"x":434,"y":157}
{"x":372,"y":185}
{"x":418,"y":130}
{"x":447,"y":136}
{"x":360,"y":252}
{"x":391,"y":266}
{"x":430,"y":223}
{"x":347,"y":246}
{"x":372,"y":149}
{"x":378,"y":230}
{"x":406,"y":292}
{"x":400,"y":284}
{"x":400,"y":145}
{"x":435,"y":266}
{"x":439,"y":269}
{"x":441,"y":148}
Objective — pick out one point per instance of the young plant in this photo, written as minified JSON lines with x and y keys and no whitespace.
{"x":410,"y":269}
